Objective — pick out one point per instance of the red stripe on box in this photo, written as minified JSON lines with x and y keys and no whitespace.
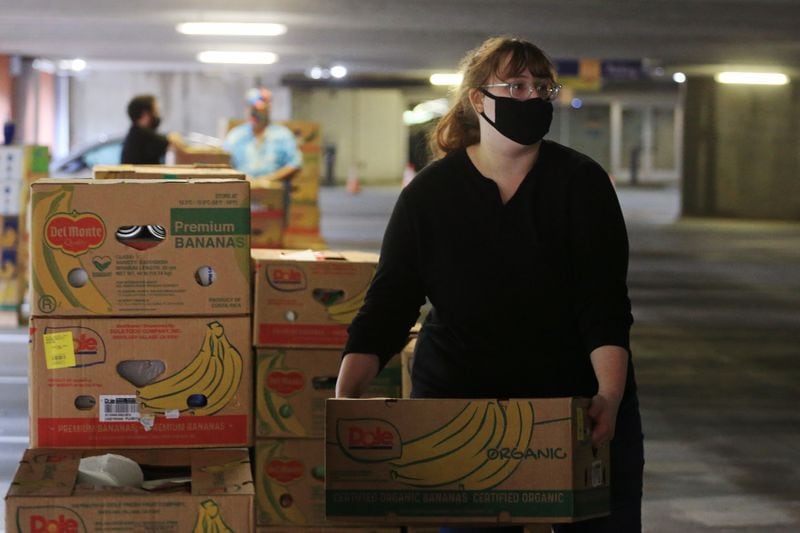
{"x":302,"y":335}
{"x":189,"y":431}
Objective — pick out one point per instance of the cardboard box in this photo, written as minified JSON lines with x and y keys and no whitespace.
{"x":329,"y":529}
{"x":533,"y":528}
{"x":303,"y":240}
{"x":201,"y":154}
{"x":292,"y":386}
{"x":47,"y":495}
{"x":10,"y":296}
{"x":166,"y":172}
{"x":140,"y":247}
{"x":140,"y":382}
{"x":266,"y":217}
{"x":463,"y":461}
{"x":289,"y":476}
{"x":304,"y":216}
{"x":307,"y":299}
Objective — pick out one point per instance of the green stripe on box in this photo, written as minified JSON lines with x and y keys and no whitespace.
{"x":210,"y":221}
{"x":488,"y":503}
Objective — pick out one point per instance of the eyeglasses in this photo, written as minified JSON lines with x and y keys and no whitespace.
{"x":522,"y":90}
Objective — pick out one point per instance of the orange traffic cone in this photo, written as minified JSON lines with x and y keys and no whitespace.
{"x":353,"y":183}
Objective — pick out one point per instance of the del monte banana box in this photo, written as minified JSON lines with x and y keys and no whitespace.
{"x":293,"y":384}
{"x":140,"y":247}
{"x":183,"y":491}
{"x":289,"y":476}
{"x":306,"y":299}
{"x":450,"y":461}
{"x":140,"y":382}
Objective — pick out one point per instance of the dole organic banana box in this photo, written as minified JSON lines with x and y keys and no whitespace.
{"x":140,"y":382}
{"x":181,"y":171}
{"x":306,"y":299}
{"x":183,"y":491}
{"x":140,"y":247}
{"x":292,"y":386}
{"x":330,"y":529}
{"x":449,"y":461}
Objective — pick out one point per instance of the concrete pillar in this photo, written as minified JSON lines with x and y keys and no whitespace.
{"x":741,"y":150}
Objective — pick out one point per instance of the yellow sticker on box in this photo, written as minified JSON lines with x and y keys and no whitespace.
{"x":59,"y":350}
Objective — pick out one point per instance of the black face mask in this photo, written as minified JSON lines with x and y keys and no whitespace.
{"x":522,"y":121}
{"x":155,"y":123}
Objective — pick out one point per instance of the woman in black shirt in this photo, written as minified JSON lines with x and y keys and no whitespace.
{"x":521,"y":248}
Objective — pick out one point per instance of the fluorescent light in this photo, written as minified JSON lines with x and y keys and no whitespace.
{"x":338,"y":71}
{"x":255,"y":29}
{"x":241,"y":58}
{"x":679,"y":77}
{"x":75,"y":65}
{"x":753,"y":78}
{"x":446,"y":78}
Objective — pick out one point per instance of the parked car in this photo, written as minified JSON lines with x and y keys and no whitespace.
{"x":107,"y":151}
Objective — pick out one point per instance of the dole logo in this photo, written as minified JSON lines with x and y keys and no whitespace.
{"x":286,"y":278}
{"x":284,"y":471}
{"x":49,"y":520}
{"x":286,"y":383}
{"x":89,"y":347}
{"x":368,"y":439}
{"x":74,"y":233}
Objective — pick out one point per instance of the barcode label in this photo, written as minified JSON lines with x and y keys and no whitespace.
{"x":119,"y":409}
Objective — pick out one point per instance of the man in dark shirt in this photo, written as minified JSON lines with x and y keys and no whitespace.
{"x":143,"y":146}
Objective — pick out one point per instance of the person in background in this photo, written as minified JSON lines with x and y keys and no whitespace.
{"x":520,"y":245}
{"x":144,"y":145}
{"x":265,"y":151}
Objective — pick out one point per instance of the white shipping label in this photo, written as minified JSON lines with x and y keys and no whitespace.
{"x":122,"y":408}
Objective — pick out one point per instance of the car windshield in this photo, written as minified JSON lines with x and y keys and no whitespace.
{"x":107,"y":154}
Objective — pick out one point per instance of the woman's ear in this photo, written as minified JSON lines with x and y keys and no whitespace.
{"x":476,"y":99}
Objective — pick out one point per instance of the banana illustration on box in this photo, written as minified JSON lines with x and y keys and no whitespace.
{"x":202,"y":387}
{"x":460,"y":451}
{"x":53,"y":281}
{"x":275,"y":502}
{"x":345,"y":311}
{"x":272,"y":406}
{"x":209,"y":519}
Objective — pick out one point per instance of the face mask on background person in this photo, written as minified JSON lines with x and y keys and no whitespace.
{"x":260,"y":116}
{"x":522,"y":121}
{"x":155,"y":122}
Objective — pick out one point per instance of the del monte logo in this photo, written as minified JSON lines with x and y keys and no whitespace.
{"x":74,"y":233}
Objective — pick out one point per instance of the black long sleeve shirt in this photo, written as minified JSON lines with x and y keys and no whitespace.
{"x":143,"y":146}
{"x":522,"y":292}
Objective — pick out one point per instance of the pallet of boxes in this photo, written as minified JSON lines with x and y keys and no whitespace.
{"x":303,"y":304}
{"x":19,"y":167}
{"x":140,"y":355}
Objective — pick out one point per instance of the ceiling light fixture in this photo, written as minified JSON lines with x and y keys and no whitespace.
{"x":247,"y":29}
{"x":239,"y":58}
{"x":446,"y":78}
{"x":679,"y":77}
{"x":752,"y":78}
{"x":338,"y":71}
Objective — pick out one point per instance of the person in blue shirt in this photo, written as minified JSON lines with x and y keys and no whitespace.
{"x":263,"y":150}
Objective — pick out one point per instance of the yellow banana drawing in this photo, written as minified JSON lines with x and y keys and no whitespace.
{"x":272,"y":407}
{"x":51,"y":279}
{"x":473,"y":459}
{"x":345,"y":311}
{"x":212,"y":377}
{"x":447,"y":439}
{"x":449,"y":468}
{"x":519,"y":415}
{"x":275,"y":502}
{"x":209,"y":519}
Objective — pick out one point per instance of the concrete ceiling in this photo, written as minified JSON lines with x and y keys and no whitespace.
{"x":405,"y":36}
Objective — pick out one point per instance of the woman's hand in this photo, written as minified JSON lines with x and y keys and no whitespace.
{"x":603,"y":412}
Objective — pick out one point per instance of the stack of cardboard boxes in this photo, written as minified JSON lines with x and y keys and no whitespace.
{"x":19,"y":167}
{"x":140,"y":344}
{"x":304,"y":302}
{"x":303,"y":228}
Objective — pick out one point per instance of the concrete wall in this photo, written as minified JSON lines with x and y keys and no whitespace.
{"x":365,"y":126}
{"x":741,"y":150}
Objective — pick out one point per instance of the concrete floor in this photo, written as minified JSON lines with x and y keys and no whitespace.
{"x":716,"y":346}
